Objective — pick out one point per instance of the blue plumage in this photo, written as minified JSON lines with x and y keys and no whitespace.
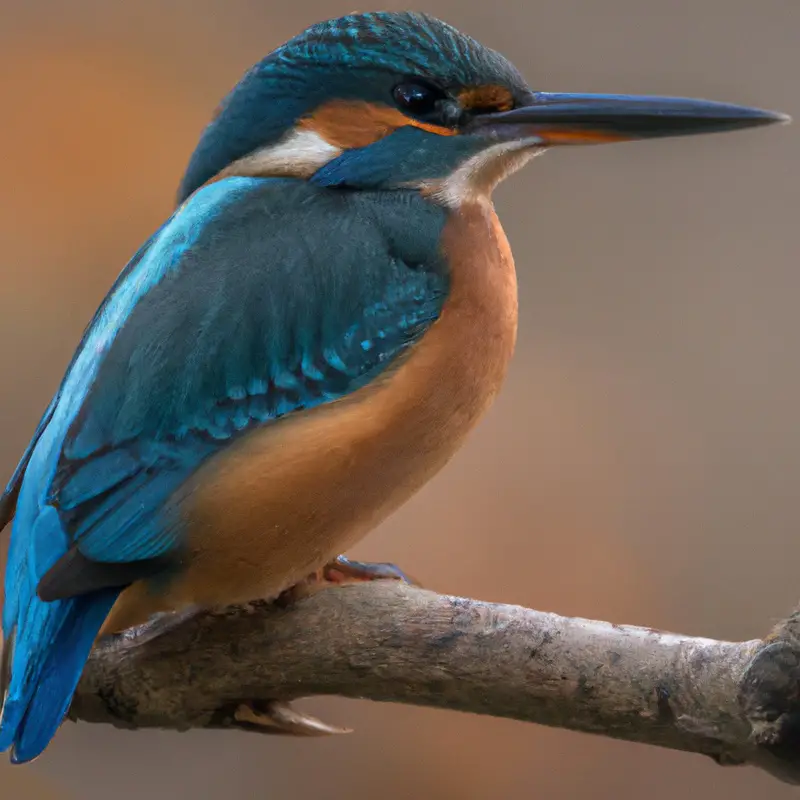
{"x":408,"y":155}
{"x":229,"y":318}
{"x":11,"y":492}
{"x":32,"y":716}
{"x":358,"y":56}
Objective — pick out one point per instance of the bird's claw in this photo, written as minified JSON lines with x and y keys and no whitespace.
{"x":280,"y":718}
{"x":340,"y":572}
{"x":158,"y":625}
{"x":344,"y":570}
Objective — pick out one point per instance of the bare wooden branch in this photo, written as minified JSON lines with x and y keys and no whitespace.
{"x":736,"y":702}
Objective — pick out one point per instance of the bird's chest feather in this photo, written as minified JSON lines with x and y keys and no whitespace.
{"x":290,"y":496}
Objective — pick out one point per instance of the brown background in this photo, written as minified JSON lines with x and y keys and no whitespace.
{"x":643,"y":462}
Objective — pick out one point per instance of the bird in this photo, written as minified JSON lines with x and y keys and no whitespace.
{"x":301,"y":346}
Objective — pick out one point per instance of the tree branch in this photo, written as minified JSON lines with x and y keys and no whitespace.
{"x":736,"y":702}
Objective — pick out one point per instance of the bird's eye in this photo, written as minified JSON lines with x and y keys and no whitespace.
{"x":417,"y":98}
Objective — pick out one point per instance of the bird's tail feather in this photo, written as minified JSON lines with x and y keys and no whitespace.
{"x":42,"y":663}
{"x":5,"y":669}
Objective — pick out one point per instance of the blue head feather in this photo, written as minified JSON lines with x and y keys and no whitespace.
{"x":359,"y":56}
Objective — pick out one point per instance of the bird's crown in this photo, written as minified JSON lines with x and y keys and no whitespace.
{"x":409,"y":68}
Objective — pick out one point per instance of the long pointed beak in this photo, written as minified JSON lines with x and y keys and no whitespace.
{"x":554,"y":119}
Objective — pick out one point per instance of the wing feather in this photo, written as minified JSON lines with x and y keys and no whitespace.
{"x":261,"y":297}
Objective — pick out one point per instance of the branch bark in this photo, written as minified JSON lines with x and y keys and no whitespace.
{"x":737,"y":702}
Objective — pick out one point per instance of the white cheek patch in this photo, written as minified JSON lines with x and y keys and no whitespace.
{"x":475,"y":179}
{"x":298,"y":155}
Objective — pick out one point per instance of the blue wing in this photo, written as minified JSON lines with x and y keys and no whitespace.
{"x":260,"y":298}
{"x":8,"y":499}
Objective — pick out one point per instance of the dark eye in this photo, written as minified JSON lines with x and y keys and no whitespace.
{"x":417,"y":98}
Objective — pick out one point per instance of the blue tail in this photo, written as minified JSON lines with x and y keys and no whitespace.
{"x":44,"y":676}
{"x":46,"y":667}
{"x":45,"y":644}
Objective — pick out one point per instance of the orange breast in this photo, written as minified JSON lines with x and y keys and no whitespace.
{"x":289,"y":497}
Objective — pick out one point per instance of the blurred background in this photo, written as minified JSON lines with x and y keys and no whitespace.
{"x":643,"y":462}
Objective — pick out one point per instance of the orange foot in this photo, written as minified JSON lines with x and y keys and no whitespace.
{"x":342,"y":571}
{"x":157,"y":625}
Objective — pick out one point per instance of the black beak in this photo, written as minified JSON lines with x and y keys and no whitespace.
{"x":596,"y":118}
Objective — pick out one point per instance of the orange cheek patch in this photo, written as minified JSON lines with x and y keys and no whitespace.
{"x":348,"y":124}
{"x":489,"y":97}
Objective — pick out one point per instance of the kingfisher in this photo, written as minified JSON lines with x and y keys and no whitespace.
{"x":297,"y":350}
